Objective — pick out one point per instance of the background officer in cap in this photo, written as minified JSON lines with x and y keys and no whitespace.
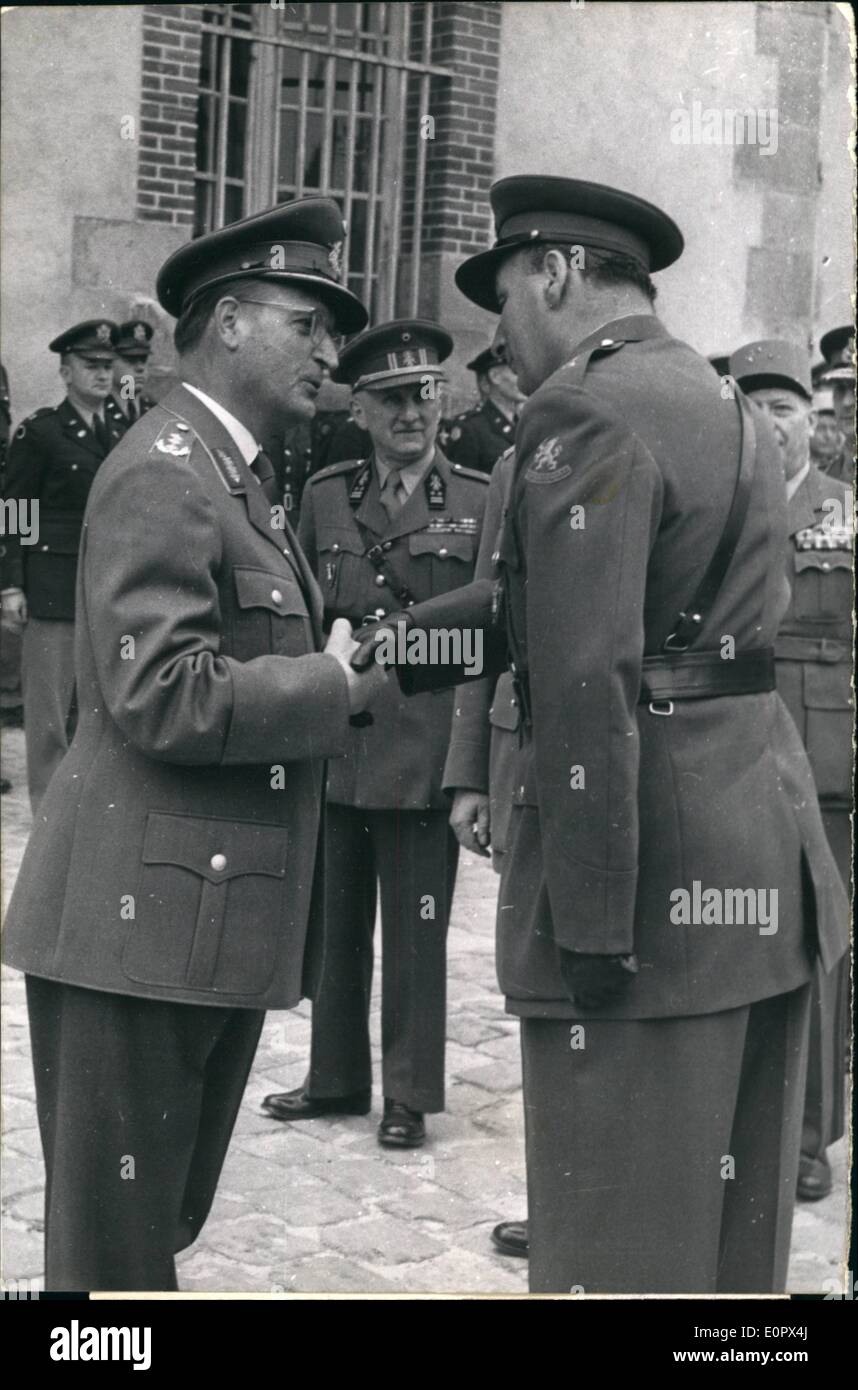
{"x":169,"y":891}
{"x":130,"y":371}
{"x":651,"y":768}
{"x":479,"y":436}
{"x":398,"y":526}
{"x":53,"y":459}
{"x":838,"y":349}
{"x":814,"y":678}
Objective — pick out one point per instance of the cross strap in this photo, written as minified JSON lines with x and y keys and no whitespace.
{"x":691,"y":618}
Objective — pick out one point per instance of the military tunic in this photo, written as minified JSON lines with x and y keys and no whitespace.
{"x":612,"y":522}
{"x":53,"y":458}
{"x":114,"y":411}
{"x":387,"y":814}
{"x":479,"y":436}
{"x":814,"y":675}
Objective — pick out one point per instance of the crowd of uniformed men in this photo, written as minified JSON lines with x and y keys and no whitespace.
{"x":170,"y":752}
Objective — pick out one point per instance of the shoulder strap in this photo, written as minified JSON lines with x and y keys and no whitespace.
{"x":690,"y":620}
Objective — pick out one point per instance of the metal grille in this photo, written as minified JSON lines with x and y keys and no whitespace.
{"x":299,"y":99}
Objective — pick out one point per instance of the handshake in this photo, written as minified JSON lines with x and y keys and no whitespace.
{"x":365,"y":677}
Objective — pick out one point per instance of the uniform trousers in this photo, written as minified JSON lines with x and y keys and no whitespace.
{"x":662,"y":1156}
{"x":410,"y":858}
{"x":824,"y":1106}
{"x":47,"y":686}
{"x":136,"y":1099}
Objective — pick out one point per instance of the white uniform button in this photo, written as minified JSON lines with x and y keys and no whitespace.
{"x":218,"y":862}
{"x":285,"y":551}
{"x":826,"y":565}
{"x":276,"y":596}
{"x":380,"y":581}
{"x":443,"y":551}
{"x":335,"y":547}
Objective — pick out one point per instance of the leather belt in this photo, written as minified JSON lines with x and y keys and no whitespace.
{"x":706,"y":675}
{"x":793,"y":647}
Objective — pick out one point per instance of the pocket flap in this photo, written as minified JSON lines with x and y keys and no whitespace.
{"x":825,"y":560}
{"x":828,"y":687}
{"x":278,"y":593}
{"x":339,"y":538}
{"x":505,"y":712}
{"x":442,"y":544}
{"x":214,"y":848}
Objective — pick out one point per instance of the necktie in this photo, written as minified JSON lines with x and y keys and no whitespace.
{"x":393,"y":494}
{"x":101,"y":433}
{"x":264,"y":470}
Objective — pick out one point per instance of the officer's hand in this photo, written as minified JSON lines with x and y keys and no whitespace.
{"x":13,"y":610}
{"x":470,"y":819}
{"x":364,"y":686}
{"x":367,"y":639}
{"x":594,"y":981}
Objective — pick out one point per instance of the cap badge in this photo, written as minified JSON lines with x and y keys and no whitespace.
{"x":102,"y":332}
{"x":139,"y":333}
{"x":335,"y":258}
{"x":409,"y":359}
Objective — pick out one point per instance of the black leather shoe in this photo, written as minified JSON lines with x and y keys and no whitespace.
{"x":814,"y":1179}
{"x":401,"y":1128}
{"x":297,"y":1105}
{"x":510,"y":1238}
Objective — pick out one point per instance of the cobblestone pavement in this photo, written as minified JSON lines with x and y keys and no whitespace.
{"x":319,"y":1206}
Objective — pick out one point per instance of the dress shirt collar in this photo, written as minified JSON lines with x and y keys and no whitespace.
{"x":794,"y":483}
{"x":409,"y":476}
{"x":240,"y":434}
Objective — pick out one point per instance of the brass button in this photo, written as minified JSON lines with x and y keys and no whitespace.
{"x":218,"y":862}
{"x":74,"y":468}
{"x":335,"y":547}
{"x":276,"y":596}
{"x":443,"y":551}
{"x":285,"y":551}
{"x":380,"y":580}
{"x":826,"y":565}
{"x":387,"y":545}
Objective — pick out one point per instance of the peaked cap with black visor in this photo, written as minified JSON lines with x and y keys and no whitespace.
{"x":531,"y":208}
{"x":298,"y":243}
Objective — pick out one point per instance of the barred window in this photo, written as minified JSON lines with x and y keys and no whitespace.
{"x":328,"y":99}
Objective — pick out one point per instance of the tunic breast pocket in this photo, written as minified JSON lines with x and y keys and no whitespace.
{"x":209,"y":904}
{"x":271,"y":617}
{"x":451,"y":558}
{"x":823,"y":585}
{"x":344,"y":575}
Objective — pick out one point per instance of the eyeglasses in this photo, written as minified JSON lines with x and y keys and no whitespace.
{"x":316,"y":321}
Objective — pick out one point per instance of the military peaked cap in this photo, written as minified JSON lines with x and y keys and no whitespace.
{"x":394,"y":354}
{"x":485,"y":360}
{"x":93,"y":335}
{"x":134,"y":339}
{"x":837,"y":346}
{"x":298,"y":243}
{"x":533,"y":208}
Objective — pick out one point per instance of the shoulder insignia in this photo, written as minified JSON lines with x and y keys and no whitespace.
{"x":546,"y":466}
{"x":475,"y":474}
{"x":174,"y":439}
{"x":333,"y":469}
{"x":40,"y":414}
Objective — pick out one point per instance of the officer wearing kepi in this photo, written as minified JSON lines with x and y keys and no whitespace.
{"x":662,"y":793}
{"x":479,"y":436}
{"x":813,"y":662}
{"x":53,"y":460}
{"x":130,"y":372}
{"x":381,"y":532}
{"x":838,"y":349}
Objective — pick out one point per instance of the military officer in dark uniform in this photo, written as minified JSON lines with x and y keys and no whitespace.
{"x":479,"y":436}
{"x":170,"y":891}
{"x":129,"y":400}
{"x":399,"y":525}
{"x":660,"y":783}
{"x":813,"y":661}
{"x":838,"y":349}
{"x":53,"y":459}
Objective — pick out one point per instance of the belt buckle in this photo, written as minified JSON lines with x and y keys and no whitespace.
{"x":654,"y":707}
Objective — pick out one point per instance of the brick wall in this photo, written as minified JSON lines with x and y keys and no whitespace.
{"x":171,"y":68}
{"x":460,"y":166}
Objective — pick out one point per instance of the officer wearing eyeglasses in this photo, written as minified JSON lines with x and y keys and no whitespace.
{"x":53,"y":460}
